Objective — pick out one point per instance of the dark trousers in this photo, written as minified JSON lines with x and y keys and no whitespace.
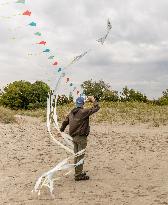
{"x":80,"y":143}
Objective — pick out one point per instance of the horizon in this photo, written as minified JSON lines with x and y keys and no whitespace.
{"x":119,"y":91}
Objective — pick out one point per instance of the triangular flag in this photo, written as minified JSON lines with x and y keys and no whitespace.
{"x":20,"y":1}
{"x":46,"y":50}
{"x":27,"y":13}
{"x":51,"y":57}
{"x":55,"y":63}
{"x":42,"y":42}
{"x":32,"y":24}
{"x":37,"y":34}
{"x":59,"y":69}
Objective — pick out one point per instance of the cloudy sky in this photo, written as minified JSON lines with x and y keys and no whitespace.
{"x":135,"y":53}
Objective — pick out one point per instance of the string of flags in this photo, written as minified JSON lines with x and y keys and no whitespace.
{"x":52,"y":119}
{"x":47,"y":50}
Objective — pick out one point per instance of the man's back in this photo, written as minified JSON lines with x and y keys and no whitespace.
{"x":78,"y":120}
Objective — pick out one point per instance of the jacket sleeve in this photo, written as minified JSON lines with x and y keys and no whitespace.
{"x":95,"y":108}
{"x":64,"y":124}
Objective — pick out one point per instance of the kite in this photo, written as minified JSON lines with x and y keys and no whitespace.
{"x":27,"y":13}
{"x":46,"y":50}
{"x":51,"y":57}
{"x":37,"y":34}
{"x":32,"y":24}
{"x":47,"y":179}
{"x":55,"y":63}
{"x":109,"y":27}
{"x":77,"y":58}
{"x":42,"y":43}
{"x":67,"y":80}
{"x":59,"y":69}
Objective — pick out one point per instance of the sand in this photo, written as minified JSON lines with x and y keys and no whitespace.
{"x":127,"y":164}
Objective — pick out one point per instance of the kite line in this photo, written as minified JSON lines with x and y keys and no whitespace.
{"x":47,"y":179}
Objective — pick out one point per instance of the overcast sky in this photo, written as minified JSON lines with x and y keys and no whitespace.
{"x":135,"y":53}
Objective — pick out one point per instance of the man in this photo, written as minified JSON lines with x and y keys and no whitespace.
{"x":78,"y":120}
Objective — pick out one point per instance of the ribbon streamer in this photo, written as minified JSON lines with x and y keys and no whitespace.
{"x":47,"y":179}
{"x":103,"y":39}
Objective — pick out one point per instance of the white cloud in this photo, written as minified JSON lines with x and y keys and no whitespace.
{"x":135,"y":53}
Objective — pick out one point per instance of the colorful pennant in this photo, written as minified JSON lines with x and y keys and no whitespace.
{"x":42,"y":43}
{"x":51,"y":57}
{"x":32,"y":24}
{"x":37,"y":34}
{"x":59,"y":69}
{"x":55,"y":63}
{"x":67,"y":80}
{"x":27,"y":13}
{"x":46,"y":50}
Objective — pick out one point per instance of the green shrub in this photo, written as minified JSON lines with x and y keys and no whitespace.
{"x":100,"y":90}
{"x":24,"y":95}
{"x":128,"y":95}
{"x":164,"y":99}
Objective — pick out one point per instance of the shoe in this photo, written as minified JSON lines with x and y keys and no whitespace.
{"x":82,"y":176}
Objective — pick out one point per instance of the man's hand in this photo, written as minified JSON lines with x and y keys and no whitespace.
{"x":91,"y":99}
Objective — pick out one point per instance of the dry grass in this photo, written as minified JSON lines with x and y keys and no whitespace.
{"x":7,"y":115}
{"x":40,"y":113}
{"x":132,"y":113}
{"x":118,"y":112}
{"x":126,"y":113}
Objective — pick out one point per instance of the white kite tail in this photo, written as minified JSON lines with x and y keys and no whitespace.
{"x":52,"y":118}
{"x":47,"y":179}
{"x":55,"y":116}
{"x":52,"y":107}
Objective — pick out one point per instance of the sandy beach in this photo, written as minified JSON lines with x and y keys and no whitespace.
{"x":127,"y":164}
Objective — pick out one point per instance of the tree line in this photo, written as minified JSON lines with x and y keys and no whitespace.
{"x":26,"y":95}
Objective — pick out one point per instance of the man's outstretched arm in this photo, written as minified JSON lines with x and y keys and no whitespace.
{"x":64,"y":124}
{"x":92,"y":110}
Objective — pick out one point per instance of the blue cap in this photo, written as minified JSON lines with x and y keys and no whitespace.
{"x":80,"y":102}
